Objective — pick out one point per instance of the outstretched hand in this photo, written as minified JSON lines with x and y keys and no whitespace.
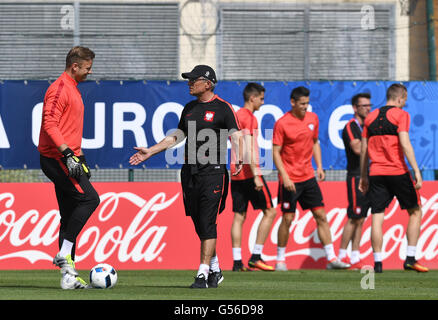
{"x":142,"y":155}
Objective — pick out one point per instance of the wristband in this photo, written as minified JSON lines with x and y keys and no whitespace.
{"x":68,"y":152}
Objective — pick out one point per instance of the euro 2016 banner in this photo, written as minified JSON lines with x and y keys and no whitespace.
{"x":143,"y":226}
{"x":122,"y":114}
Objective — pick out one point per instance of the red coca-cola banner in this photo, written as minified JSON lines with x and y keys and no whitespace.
{"x":143,"y":226}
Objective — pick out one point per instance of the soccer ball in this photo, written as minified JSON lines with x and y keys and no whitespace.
{"x":103,"y":276}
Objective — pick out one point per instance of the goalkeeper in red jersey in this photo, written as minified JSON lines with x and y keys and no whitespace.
{"x":63,"y":161}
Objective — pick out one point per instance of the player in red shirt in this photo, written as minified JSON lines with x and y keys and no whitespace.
{"x":295,"y":141}
{"x":385,"y":141}
{"x":249,"y":185}
{"x":63,"y":161}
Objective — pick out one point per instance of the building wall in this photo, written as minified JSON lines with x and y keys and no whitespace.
{"x":188,"y":59}
{"x":418,"y":46}
{"x":203,"y":49}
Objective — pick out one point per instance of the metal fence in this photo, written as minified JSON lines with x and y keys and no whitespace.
{"x":155,"y":175}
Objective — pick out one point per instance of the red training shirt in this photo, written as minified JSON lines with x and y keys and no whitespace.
{"x":385,"y":151}
{"x":249,"y":126}
{"x":63,"y":118}
{"x":296,"y":138}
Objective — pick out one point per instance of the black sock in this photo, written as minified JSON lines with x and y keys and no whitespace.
{"x":255,"y":257}
{"x":410,"y":260}
{"x":237,"y":262}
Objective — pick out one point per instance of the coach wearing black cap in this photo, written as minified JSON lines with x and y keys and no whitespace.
{"x":204,"y":176}
{"x":201,"y":71}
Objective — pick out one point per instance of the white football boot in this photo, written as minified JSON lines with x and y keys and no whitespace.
{"x":337,"y":264}
{"x":281,"y":266}
{"x":66,"y":264}
{"x":71,"y":282}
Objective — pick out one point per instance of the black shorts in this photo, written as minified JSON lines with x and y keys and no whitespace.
{"x":243,"y":191}
{"x":77,"y":198}
{"x":308,"y":195}
{"x":358,"y":203}
{"x":382,"y":190}
{"x":204,"y":198}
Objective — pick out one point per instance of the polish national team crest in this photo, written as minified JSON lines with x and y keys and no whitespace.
{"x":209,"y":115}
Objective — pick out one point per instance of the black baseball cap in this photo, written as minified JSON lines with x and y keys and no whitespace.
{"x":201,"y":71}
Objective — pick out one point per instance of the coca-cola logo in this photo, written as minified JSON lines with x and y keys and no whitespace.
{"x":304,"y":241}
{"x":141,"y":240}
{"x":142,"y":225}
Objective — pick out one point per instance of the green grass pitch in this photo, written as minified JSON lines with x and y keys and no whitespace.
{"x":256,"y":285}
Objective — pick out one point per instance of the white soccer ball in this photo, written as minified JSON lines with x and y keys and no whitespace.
{"x":103,"y":276}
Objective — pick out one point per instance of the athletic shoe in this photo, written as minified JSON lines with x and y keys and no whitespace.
{"x":200,"y":282}
{"x":337,"y":264}
{"x":66,"y":264}
{"x":378,"y":267}
{"x":260,"y":264}
{"x":345,"y":260}
{"x":353,"y":266}
{"x":281,"y":266}
{"x":415,"y":266}
{"x":240,"y":267}
{"x":69,"y":281}
{"x":356,"y":266}
{"x":82,"y":281}
{"x":214,"y":278}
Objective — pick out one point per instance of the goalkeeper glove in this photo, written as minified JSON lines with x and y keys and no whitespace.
{"x":85,"y":166}
{"x":72,"y":163}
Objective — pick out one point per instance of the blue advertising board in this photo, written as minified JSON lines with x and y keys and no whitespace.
{"x":122,"y":114}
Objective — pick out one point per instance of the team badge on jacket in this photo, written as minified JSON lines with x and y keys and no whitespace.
{"x":311,"y":126}
{"x":209,"y":115}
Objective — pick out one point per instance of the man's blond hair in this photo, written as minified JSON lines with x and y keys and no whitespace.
{"x":77,"y":55}
{"x":395,"y":91}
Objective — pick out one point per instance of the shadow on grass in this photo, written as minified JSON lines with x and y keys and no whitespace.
{"x":164,"y":287}
{"x":12,"y":286}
